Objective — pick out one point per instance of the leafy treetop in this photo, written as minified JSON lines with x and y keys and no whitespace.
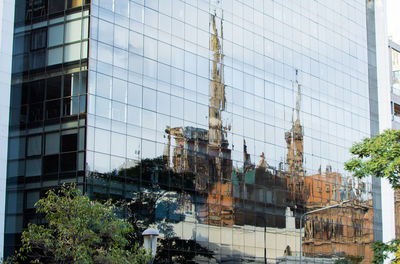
{"x":378,"y":156}
{"x":78,"y":231}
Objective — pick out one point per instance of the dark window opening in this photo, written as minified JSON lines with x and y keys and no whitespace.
{"x":68,"y":162}
{"x":18,"y":115}
{"x":50,"y":164}
{"x":53,"y":109}
{"x":53,"y":89}
{"x":56,"y":6}
{"x":36,"y":112}
{"x":69,"y":142}
{"x":67,"y":85}
{"x":36,"y":91}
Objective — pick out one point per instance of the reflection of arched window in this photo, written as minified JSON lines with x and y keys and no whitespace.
{"x":357,"y":225}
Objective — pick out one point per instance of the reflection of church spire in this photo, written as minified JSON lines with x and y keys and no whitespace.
{"x":298,"y":136}
{"x":294,"y":158}
{"x":294,"y":141}
{"x":217,"y":89}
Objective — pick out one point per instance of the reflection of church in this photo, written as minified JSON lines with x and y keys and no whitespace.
{"x":260,"y":195}
{"x":294,"y":159}
{"x":203,"y":152}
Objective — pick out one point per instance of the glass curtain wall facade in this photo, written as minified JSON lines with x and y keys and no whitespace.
{"x":222,"y":121}
{"x":47,"y":128}
{"x":237,"y":116}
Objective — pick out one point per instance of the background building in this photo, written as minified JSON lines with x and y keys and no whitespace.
{"x":223,"y":120}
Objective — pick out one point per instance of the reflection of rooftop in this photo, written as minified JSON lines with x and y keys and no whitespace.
{"x":190,"y":133}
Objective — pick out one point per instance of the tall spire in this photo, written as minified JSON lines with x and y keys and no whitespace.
{"x":297,"y":131}
{"x":294,"y":140}
{"x":298,"y":99}
{"x":217,"y":88}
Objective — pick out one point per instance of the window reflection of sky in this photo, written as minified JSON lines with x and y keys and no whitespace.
{"x":244,"y":70}
{"x":169,"y":62}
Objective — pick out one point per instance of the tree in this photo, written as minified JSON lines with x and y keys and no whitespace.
{"x":382,"y":251}
{"x":155,"y":204}
{"x":377,"y":156}
{"x":78,"y":230}
{"x":142,"y":210}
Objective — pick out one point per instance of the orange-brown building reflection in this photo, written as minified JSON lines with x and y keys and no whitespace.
{"x":346,"y":230}
{"x":261,"y":195}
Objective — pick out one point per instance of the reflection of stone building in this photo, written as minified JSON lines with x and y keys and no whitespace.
{"x":264,"y":196}
{"x":220,"y":205}
{"x":346,"y":230}
{"x":343,"y":231}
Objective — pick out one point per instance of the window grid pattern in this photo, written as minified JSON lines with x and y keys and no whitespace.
{"x":150,"y":91}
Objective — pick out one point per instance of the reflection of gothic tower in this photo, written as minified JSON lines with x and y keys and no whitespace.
{"x":294,"y":142}
{"x":217,"y":90}
{"x":200,"y":151}
{"x":294,"y":159}
{"x":298,"y":137}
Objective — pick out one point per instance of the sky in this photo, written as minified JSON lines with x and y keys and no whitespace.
{"x":393,"y":15}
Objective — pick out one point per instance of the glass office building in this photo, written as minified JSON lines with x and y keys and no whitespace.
{"x":224,"y":120}
{"x":47,"y":127}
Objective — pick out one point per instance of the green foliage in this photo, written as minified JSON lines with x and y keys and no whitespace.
{"x":378,"y":156}
{"x":349,"y":260}
{"x":78,"y":231}
{"x":382,"y":250}
{"x":9,"y":260}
